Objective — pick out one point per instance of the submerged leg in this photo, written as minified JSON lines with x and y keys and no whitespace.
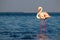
{"x":43,"y":26}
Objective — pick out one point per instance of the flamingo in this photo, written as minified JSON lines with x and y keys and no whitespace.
{"x":42,"y":15}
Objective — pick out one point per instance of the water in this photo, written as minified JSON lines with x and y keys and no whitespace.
{"x":23,"y":26}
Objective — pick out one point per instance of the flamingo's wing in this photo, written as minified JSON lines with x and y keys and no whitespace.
{"x":47,"y":15}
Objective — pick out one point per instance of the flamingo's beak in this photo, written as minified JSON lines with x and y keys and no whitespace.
{"x":39,"y":10}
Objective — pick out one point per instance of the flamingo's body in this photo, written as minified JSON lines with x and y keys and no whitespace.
{"x":41,"y":14}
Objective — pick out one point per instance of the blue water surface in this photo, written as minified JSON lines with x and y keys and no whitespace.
{"x":25,"y":26}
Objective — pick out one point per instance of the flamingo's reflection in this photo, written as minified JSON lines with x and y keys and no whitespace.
{"x":42,"y":37}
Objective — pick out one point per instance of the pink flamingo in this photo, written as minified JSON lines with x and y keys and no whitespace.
{"x":42,"y":15}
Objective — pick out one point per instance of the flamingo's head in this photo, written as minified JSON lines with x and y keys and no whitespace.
{"x":39,"y":9}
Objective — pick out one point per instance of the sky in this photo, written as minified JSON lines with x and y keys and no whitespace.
{"x":29,"y":5}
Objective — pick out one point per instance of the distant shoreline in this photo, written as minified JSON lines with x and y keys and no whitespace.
{"x":27,"y":12}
